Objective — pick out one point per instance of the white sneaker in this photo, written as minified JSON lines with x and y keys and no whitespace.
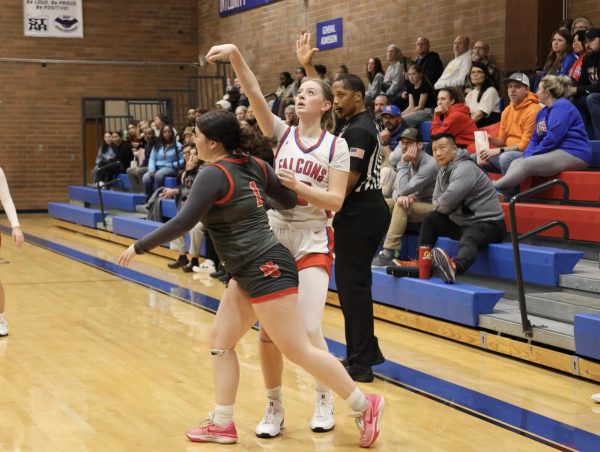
{"x":3,"y":327}
{"x":322,"y":420}
{"x":208,"y":266}
{"x":596,"y":397}
{"x":272,"y":422}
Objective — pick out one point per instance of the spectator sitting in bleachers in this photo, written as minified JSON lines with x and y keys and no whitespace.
{"x":587,"y":91}
{"x":181,"y":193}
{"x":421,"y":98}
{"x":412,"y":193}
{"x":579,"y":49}
{"x":466,"y":209}
{"x":187,"y":135}
{"x":375,"y":77}
{"x":290,"y":116}
{"x":165,"y":160}
{"x":105,"y":157}
{"x":222,"y":104}
{"x":480,"y":54}
{"x":235,"y":98}
{"x":191,"y":118}
{"x":122,"y":149}
{"x":394,"y":77}
{"x":580,"y":24}
{"x":483,"y":100}
{"x":456,"y":71}
{"x":342,"y":69}
{"x":559,"y":141}
{"x":322,"y":72}
{"x":430,"y":62}
{"x":393,"y":126}
{"x":159,"y":122}
{"x":516,"y":126}
{"x":240,"y":113}
{"x":136,"y":172}
{"x":283,"y":91}
{"x":381,"y":101}
{"x":561,"y":56}
{"x":452,"y":116}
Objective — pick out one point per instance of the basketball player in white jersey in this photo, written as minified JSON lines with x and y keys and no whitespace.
{"x":315,"y":164}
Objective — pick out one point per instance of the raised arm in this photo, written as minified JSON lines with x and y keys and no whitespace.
{"x":247,"y":79}
{"x":305,"y":53}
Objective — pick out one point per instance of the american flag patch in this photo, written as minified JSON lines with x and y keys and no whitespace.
{"x":357,"y":152}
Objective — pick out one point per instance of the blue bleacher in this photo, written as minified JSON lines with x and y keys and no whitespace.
{"x":587,"y":335}
{"x":168,"y":208}
{"x":124,"y":181}
{"x":540,"y":265}
{"x":74,"y":214}
{"x":425,"y":129}
{"x":112,"y":199}
{"x":170,"y":182}
{"x":460,"y":303}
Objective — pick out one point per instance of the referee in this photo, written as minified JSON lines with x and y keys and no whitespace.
{"x":359,"y":227}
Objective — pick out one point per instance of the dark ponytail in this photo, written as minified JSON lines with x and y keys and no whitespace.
{"x":223,"y":127}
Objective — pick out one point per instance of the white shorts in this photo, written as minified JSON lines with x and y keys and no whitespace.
{"x":310,"y":247}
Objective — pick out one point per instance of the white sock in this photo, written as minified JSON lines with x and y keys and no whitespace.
{"x":357,"y":401}
{"x":223,"y":414}
{"x":326,"y":393}
{"x":274,"y":394}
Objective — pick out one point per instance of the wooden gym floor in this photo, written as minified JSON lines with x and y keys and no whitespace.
{"x":103,"y":359}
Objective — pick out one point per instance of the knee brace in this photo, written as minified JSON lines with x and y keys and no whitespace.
{"x":216,"y":352}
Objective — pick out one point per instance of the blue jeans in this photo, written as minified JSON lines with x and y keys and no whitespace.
{"x":152,"y":182}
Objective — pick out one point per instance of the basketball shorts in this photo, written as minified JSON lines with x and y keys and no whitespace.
{"x":271,"y":275}
{"x":310,"y":247}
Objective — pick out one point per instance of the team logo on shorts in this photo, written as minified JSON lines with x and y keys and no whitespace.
{"x":270,"y":269}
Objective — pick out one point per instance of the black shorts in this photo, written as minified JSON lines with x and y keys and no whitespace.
{"x":271,"y":275}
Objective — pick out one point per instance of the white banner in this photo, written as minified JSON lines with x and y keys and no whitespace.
{"x":53,"y":18}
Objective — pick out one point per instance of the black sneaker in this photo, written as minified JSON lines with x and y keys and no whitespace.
{"x":181,"y":262}
{"x":384,"y":259}
{"x":360,"y":373}
{"x":218,"y":274}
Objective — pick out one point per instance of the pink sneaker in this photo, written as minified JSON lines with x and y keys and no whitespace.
{"x":209,"y":432}
{"x":369,"y":421}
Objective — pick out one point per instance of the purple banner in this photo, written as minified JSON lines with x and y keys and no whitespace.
{"x":330,"y":34}
{"x":229,"y":7}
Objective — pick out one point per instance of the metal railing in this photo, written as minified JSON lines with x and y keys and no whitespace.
{"x":516,"y":238}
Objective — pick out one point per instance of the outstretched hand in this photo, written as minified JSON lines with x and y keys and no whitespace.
{"x":304,"y":52}
{"x":126,"y":256}
{"x":220,"y":52}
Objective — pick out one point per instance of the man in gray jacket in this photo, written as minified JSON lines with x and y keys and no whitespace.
{"x":466,"y":209}
{"x":412,"y":194}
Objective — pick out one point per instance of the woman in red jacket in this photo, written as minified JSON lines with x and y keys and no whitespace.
{"x":452,"y":116}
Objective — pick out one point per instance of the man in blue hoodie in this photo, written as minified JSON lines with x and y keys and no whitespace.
{"x":466,"y":209}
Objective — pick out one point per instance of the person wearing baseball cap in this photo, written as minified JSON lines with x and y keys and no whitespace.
{"x":412,"y":193}
{"x":223,"y":105}
{"x":587,"y":91}
{"x":516,"y":126}
{"x":393,"y":125}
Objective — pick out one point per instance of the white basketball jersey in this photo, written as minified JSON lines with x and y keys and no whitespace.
{"x":311,"y":166}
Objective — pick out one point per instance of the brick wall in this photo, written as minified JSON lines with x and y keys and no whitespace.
{"x":266,"y":35}
{"x":41,"y":147}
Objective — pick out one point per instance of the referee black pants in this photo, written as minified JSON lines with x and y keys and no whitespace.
{"x":358,"y":230}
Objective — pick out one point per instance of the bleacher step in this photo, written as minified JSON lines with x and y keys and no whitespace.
{"x":587,"y":335}
{"x":585,"y":277}
{"x":562,"y":306}
{"x":506,"y":319}
{"x":110,"y":199}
